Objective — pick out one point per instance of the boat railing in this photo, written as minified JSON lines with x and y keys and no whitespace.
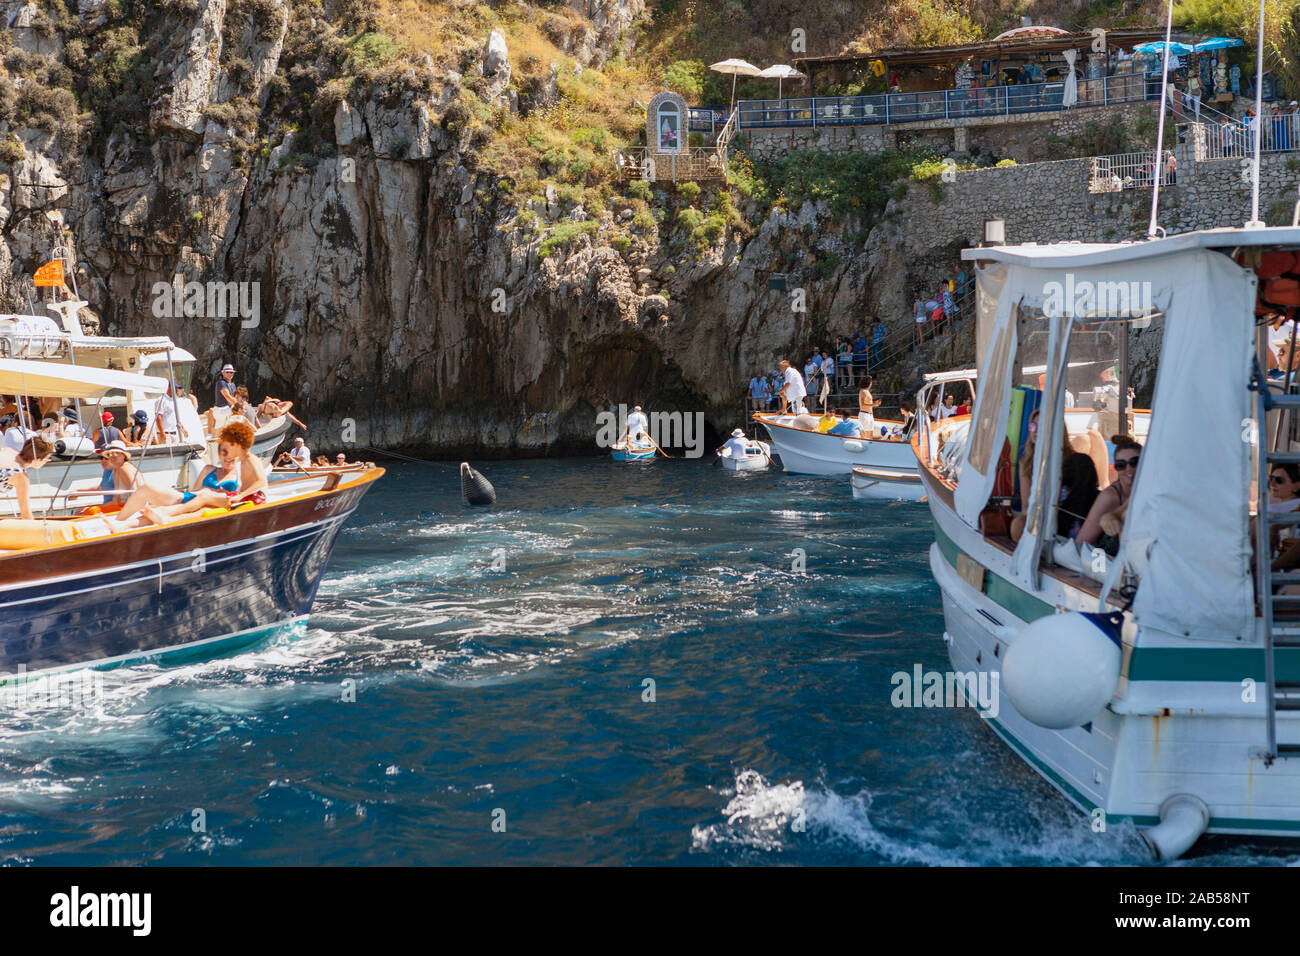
{"x":24,"y":346}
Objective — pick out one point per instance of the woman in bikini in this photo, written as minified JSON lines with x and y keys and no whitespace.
{"x":238,"y":479}
{"x":14,"y":467}
{"x":1106,"y":516}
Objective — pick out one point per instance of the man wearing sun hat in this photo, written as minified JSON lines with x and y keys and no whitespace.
{"x":736,"y":446}
{"x":226,"y":387}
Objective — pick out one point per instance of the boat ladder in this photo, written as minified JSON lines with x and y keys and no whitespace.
{"x":1281,"y":612}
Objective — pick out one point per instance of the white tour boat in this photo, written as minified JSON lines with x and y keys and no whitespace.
{"x":1162,"y":685}
{"x":806,"y":451}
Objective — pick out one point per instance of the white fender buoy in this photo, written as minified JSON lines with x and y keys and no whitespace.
{"x":1183,"y":818}
{"x":1063,"y":668}
{"x":853,"y":445}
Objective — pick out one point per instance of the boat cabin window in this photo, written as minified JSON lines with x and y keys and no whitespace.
{"x":1109,"y":360}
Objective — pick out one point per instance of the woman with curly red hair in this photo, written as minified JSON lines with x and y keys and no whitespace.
{"x":240,"y":478}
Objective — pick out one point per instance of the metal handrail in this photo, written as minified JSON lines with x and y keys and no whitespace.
{"x":881,"y":108}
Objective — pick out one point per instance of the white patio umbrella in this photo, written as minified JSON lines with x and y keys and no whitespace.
{"x":780,"y":72}
{"x":735,"y":68}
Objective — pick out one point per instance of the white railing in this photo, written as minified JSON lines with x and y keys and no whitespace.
{"x":1112,"y":174}
{"x":1236,"y":140}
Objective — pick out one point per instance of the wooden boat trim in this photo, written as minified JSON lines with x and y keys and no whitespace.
{"x":189,"y":533}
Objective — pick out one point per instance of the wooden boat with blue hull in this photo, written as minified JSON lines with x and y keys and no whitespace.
{"x":632,"y":454}
{"x":91,"y":598}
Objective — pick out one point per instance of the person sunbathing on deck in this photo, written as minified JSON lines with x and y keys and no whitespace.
{"x":239,"y":478}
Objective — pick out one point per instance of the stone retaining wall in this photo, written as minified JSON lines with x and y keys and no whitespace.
{"x":1024,"y":137}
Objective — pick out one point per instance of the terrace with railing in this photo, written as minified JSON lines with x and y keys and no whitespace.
{"x":695,"y":163}
{"x":1236,"y":140}
{"x":938,"y":105}
{"x":1121,"y":171}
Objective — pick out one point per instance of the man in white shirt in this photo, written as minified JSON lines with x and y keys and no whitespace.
{"x":736,"y":447}
{"x":72,"y":426}
{"x":637,"y":423}
{"x":15,"y":436}
{"x":164,"y":418}
{"x":792,"y":391}
{"x":300,"y":454}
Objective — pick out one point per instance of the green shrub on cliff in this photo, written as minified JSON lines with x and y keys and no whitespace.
{"x":372,"y":50}
{"x":687,"y":78}
{"x":564,"y":233}
{"x":855,"y":183}
{"x":689,"y":191}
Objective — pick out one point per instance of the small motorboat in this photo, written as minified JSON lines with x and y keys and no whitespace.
{"x":758,"y":455}
{"x":890,"y":484}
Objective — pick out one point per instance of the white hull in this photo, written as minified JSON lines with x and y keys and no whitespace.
{"x":881,"y":484}
{"x":1171,"y":731}
{"x":758,"y":459}
{"x":815,"y":453}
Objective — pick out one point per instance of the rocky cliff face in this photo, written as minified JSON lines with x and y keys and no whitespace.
{"x":395,"y":287}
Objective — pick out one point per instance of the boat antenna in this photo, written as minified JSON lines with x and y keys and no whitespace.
{"x":1157,"y":168}
{"x":1255,"y":222}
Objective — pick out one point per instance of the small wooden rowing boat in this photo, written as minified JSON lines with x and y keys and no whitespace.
{"x":624,"y":453}
{"x":757,"y":457}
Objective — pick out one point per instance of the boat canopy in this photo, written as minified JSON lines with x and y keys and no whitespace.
{"x":1186,"y":533}
{"x":52,"y":379}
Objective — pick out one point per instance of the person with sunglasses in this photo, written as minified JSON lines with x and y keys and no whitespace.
{"x":1106,"y":517}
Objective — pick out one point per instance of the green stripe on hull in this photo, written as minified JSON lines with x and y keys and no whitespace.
{"x":1218,"y":664}
{"x":177,"y":655}
{"x":1217,"y":824}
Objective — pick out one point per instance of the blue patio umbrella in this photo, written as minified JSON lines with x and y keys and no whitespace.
{"x":1217,"y":43}
{"x":1175,"y":48}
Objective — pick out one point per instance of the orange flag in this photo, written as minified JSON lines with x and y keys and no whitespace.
{"x":50,"y":274}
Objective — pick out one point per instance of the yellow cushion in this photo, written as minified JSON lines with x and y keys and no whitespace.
{"x":17,"y":533}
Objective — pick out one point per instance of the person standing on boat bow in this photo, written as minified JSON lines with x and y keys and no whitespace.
{"x":792,"y":391}
{"x":15,"y":466}
{"x":867,"y":406}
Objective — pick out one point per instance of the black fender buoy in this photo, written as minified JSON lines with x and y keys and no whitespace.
{"x":476,"y":489}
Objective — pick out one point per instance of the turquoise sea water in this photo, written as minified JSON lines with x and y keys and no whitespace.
{"x":499,"y":660}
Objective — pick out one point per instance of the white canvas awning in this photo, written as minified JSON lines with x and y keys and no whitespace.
{"x":1186,"y":533}
{"x":55,"y":380}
